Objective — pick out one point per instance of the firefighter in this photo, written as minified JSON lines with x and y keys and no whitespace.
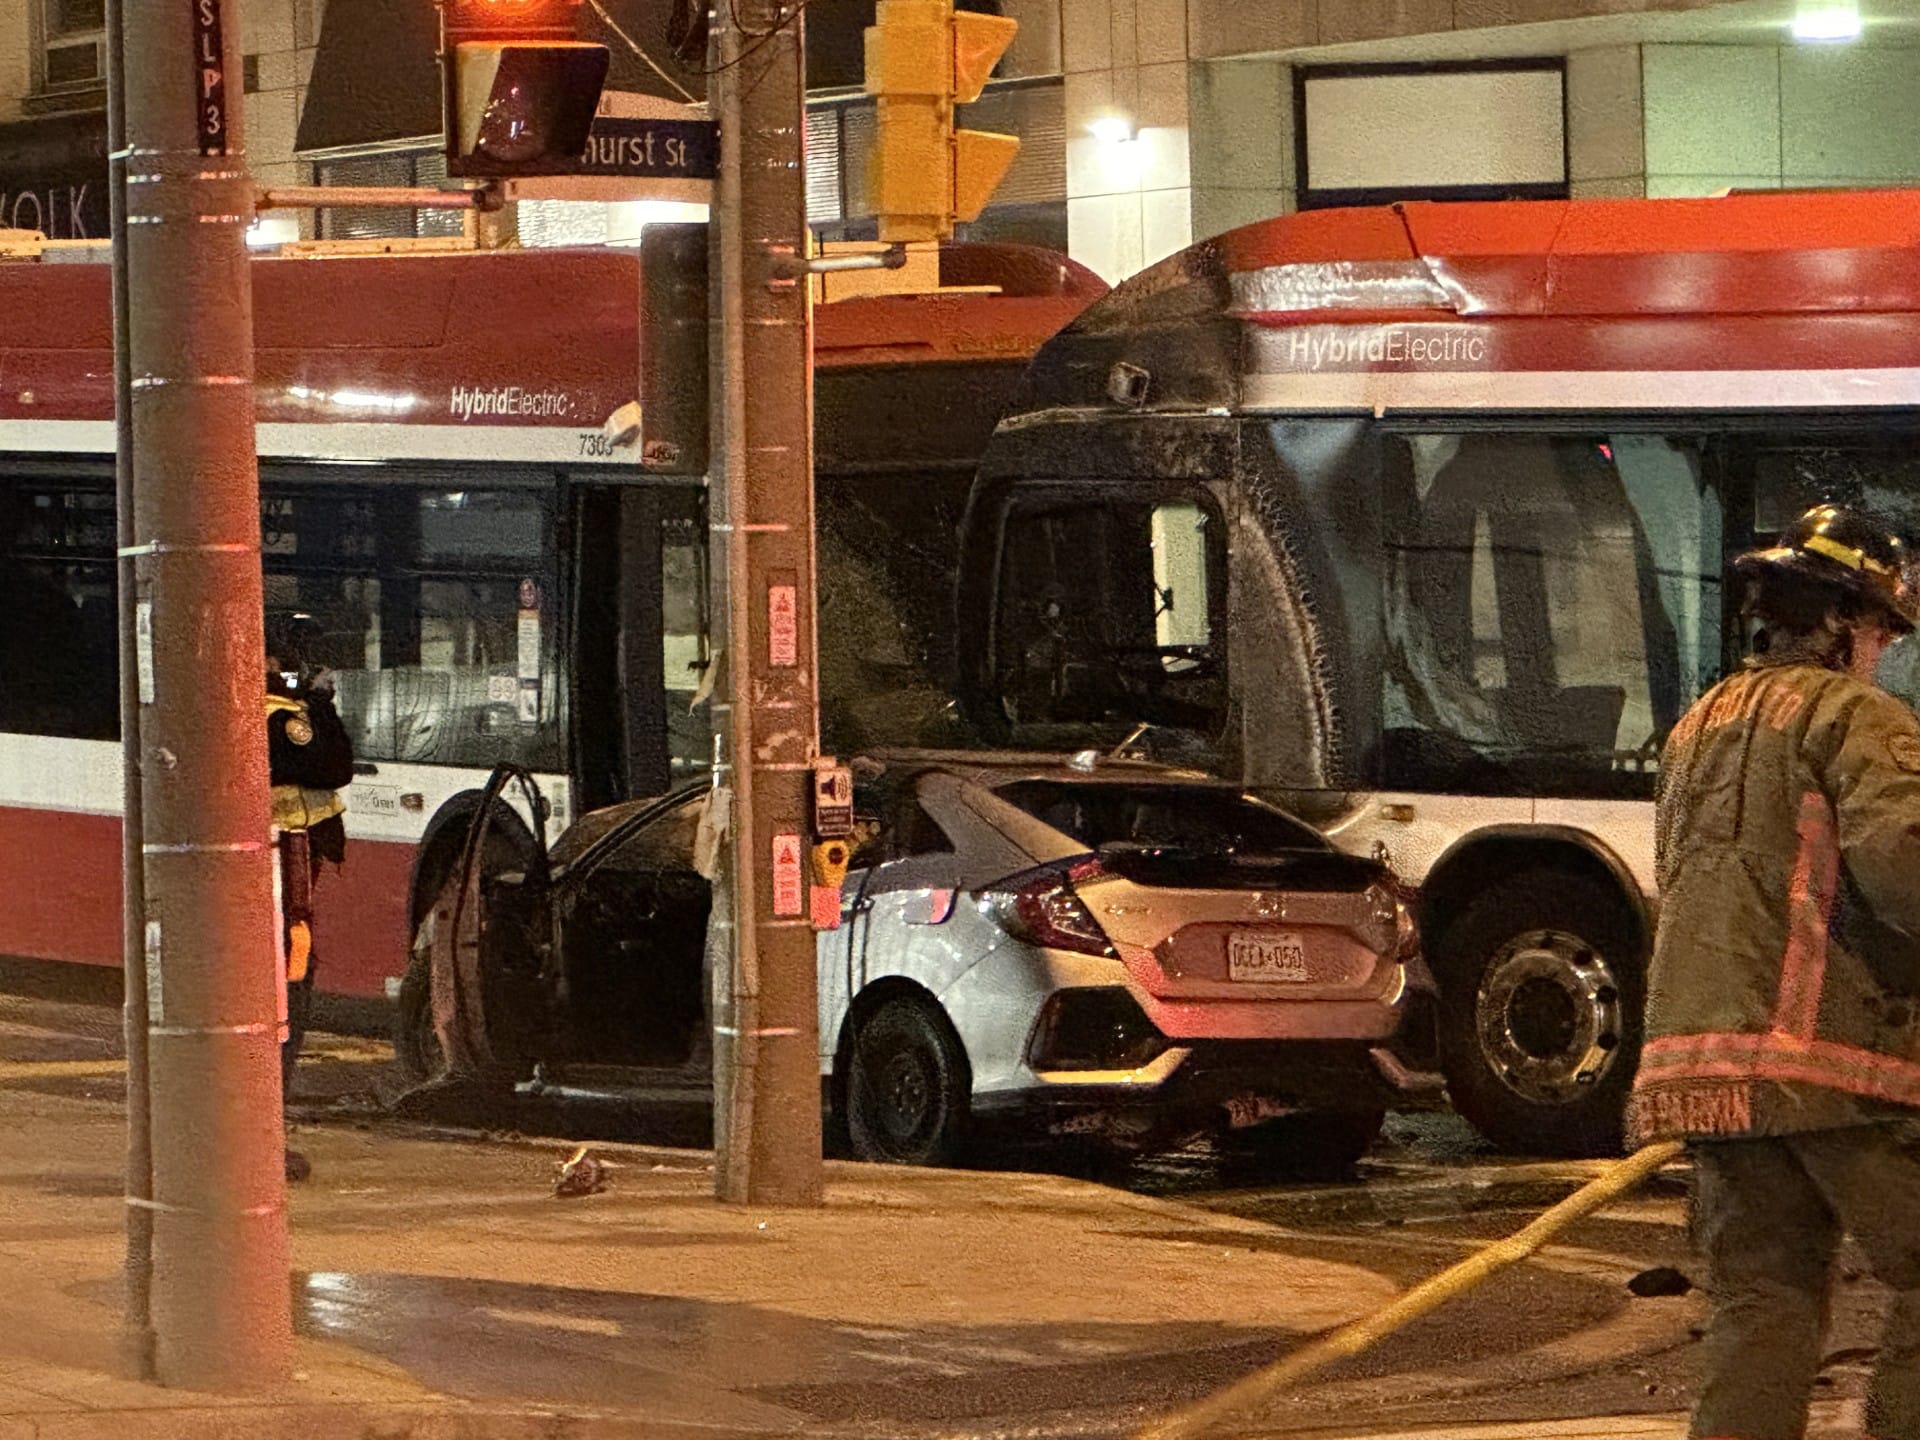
{"x":309,"y":760}
{"x":1783,"y":1013}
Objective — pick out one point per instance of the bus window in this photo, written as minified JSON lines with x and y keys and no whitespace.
{"x":683,"y":609}
{"x":59,"y":671}
{"x":1552,"y":603}
{"x":1183,"y":621}
{"x":1106,"y":619}
{"x":1879,"y":473}
{"x":436,"y":611}
{"x":886,"y":585}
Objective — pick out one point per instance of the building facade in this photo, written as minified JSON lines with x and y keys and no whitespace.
{"x":1147,"y":123}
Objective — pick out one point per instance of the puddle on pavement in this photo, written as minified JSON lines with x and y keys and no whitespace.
{"x":489,"y":1338}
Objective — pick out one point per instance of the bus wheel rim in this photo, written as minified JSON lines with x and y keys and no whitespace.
{"x":1548,"y":1017}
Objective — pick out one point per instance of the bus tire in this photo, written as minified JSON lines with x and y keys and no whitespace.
{"x":1542,"y":998}
{"x":416,"y":1048}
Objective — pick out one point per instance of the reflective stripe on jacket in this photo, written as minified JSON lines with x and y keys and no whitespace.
{"x":295,"y":806}
{"x":1785,"y":988}
{"x":299,"y":807}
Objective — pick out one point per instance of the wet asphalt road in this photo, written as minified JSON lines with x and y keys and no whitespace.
{"x":1561,"y":1336}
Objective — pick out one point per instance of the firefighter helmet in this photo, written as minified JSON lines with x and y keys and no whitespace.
{"x":1849,"y":552}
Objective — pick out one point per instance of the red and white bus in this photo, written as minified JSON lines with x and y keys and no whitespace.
{"x":1420,"y":516}
{"x":489,"y":576}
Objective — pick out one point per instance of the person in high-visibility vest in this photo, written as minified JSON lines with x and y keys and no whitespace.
{"x":309,"y":760}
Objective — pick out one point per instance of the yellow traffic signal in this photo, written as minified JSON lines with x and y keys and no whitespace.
{"x":521,"y":89}
{"x":923,"y":58}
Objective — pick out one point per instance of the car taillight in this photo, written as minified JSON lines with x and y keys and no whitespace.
{"x":1045,"y":910}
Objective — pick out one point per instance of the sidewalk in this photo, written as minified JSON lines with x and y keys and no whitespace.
{"x":442,"y":1291}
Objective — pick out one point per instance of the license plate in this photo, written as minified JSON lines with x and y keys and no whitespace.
{"x":1266,"y":957}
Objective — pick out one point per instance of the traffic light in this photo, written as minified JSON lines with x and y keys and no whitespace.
{"x":521,"y":88}
{"x":924,"y":58}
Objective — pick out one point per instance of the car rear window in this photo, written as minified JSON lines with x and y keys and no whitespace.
{"x":1196,"y":817}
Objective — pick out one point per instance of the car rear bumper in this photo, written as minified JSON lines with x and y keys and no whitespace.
{"x":1213,"y":1085}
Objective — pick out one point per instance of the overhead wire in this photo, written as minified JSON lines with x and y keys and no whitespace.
{"x":761,"y":38}
{"x":635,"y":46}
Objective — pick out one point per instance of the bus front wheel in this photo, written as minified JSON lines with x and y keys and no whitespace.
{"x":1542,"y":992}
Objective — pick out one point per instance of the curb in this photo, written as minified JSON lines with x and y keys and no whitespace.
{"x":303,"y":1421}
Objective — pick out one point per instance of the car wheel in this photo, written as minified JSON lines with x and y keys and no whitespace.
{"x":1319,"y":1144}
{"x":1542,"y":988}
{"x":907,"y":1087}
{"x":416,"y":1045}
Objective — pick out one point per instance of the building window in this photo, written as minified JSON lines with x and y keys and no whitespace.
{"x":73,"y":44}
{"x":1472,"y":130}
{"x":410,"y":169}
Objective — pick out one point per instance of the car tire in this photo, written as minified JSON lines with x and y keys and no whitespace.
{"x":908,"y":1087}
{"x":1314,"y":1144}
{"x":1542,"y":995}
{"x":416,"y":1046}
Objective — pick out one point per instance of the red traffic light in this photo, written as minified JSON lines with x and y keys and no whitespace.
{"x":511,"y":19}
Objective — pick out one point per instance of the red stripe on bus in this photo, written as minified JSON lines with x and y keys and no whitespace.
{"x":60,"y":872}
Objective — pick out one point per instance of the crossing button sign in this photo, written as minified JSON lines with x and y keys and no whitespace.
{"x":783,"y":624}
{"x":789,"y":888}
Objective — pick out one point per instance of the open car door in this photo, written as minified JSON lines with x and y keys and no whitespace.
{"x":488,"y":940}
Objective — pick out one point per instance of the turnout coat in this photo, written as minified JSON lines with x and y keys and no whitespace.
{"x":1785,"y":987}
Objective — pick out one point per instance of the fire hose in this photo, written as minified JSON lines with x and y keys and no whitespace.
{"x":1349,"y":1340}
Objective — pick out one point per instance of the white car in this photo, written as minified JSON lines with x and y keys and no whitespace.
{"x":1088,"y":948}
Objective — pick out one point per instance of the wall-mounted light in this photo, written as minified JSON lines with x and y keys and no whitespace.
{"x":1826,"y":21}
{"x":1112,"y":129}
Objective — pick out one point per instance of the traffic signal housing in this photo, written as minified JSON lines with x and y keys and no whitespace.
{"x":923,"y":59}
{"x":521,"y":87}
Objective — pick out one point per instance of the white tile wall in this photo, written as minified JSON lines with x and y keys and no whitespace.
{"x":1606,"y":138}
{"x":1680,"y":187}
{"x":1086,"y":34}
{"x":1107,"y":234}
{"x":1166,"y":224}
{"x":16,"y":57}
{"x":1712,"y":110}
{"x":266,"y":25}
{"x":272,"y":118}
{"x":1848,"y":111}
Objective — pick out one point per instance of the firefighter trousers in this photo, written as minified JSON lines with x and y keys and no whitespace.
{"x":1769,"y":1216}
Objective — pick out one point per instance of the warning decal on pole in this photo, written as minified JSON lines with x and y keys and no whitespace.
{"x":783,"y":620}
{"x":210,"y":77}
{"x":788,"y":890}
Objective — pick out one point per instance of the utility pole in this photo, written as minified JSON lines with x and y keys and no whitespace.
{"x":766,"y":1050}
{"x":217,"y":1281}
{"x":137,"y":1332}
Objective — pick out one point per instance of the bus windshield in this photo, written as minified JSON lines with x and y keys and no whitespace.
{"x":1490,"y":610}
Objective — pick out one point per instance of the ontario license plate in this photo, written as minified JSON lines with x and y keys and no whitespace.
{"x":1266,"y":957}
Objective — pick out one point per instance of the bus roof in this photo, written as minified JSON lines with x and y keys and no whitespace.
{"x":1518,"y":305}
{"x":505,"y":355}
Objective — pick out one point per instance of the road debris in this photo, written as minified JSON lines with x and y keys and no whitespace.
{"x":580,"y":1175}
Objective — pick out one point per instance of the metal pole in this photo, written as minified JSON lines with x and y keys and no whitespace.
{"x":138,"y":1331}
{"x":372,"y":197}
{"x":766,"y":1053}
{"x":219,"y":1299}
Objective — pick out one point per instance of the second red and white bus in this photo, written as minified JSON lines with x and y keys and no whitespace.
{"x":489,"y":576}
